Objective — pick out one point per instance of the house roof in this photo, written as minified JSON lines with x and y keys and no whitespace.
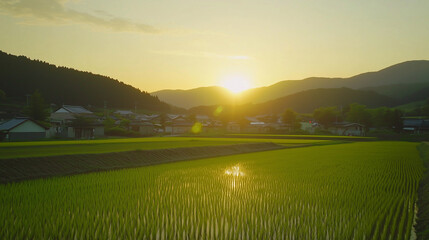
{"x":347,"y":124}
{"x":13,"y":123}
{"x":138,"y":123}
{"x":124,"y":112}
{"x":76,"y":109}
{"x":416,"y":123}
{"x":202,"y":117}
{"x":254,"y":119}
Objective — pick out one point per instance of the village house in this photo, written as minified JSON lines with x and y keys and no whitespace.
{"x":255,"y":125}
{"x":347,"y":129}
{"x":178,"y":125}
{"x":143,"y":127}
{"x":21,"y":129}
{"x":124,"y":113}
{"x":75,"y":122}
{"x":233,"y":127}
{"x":416,"y":125}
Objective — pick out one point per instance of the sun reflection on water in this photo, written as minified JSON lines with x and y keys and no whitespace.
{"x":234,"y":171}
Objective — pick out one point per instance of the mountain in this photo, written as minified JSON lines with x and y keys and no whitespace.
{"x":402,"y":73}
{"x":307,"y":101}
{"x":404,"y":92}
{"x":196,"y":96}
{"x":20,"y":76}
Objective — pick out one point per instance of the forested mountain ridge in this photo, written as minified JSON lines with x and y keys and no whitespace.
{"x":307,"y":101}
{"x":20,"y":76}
{"x":410,"y":72}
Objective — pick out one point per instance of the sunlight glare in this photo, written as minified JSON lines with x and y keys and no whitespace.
{"x":236,"y":83}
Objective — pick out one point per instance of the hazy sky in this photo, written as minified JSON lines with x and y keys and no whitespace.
{"x":181,"y":44}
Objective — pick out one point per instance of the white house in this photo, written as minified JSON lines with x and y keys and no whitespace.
{"x":21,"y":129}
{"x":63,"y":124}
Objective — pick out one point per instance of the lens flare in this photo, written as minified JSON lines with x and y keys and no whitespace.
{"x":197,"y":127}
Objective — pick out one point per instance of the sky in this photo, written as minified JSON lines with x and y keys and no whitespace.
{"x":183,"y":44}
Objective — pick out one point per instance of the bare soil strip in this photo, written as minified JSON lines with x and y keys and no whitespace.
{"x":20,"y":169}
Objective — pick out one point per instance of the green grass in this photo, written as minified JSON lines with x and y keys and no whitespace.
{"x":53,"y":148}
{"x":345,"y":191}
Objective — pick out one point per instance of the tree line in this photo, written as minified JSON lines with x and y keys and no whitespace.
{"x":378,"y":118}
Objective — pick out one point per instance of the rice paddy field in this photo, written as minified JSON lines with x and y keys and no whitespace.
{"x":363,"y":190}
{"x":52,"y":148}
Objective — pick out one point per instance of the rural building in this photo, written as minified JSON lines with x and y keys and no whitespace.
{"x":75,"y":122}
{"x":68,"y":112}
{"x":233,"y":127}
{"x":416,"y":125}
{"x":347,"y":129}
{"x":178,"y":125}
{"x":124,"y":113}
{"x":21,"y":129}
{"x":202,"y":118}
{"x":144,"y":128}
{"x":255,"y":125}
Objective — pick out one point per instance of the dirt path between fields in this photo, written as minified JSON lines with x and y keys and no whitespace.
{"x":20,"y":169}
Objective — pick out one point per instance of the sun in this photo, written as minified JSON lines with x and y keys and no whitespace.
{"x":236,"y":83}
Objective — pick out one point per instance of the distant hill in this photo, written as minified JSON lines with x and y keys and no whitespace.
{"x":307,"y":101}
{"x":400,"y":91}
{"x":196,"y":96}
{"x":20,"y":76}
{"x":402,"y":73}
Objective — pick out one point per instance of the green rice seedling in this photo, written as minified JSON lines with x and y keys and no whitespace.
{"x":348,"y":191}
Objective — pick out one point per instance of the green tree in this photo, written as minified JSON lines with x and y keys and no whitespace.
{"x":37,"y":109}
{"x":425,"y":109}
{"x":81,"y":121}
{"x":359,"y":114}
{"x":290,"y":117}
{"x":2,"y":95}
{"x":109,"y":123}
{"x":326,"y":115}
{"x":396,"y":120}
{"x":380,"y":117}
{"x":192,"y":117}
{"x":163,"y":120}
{"x":125,"y":123}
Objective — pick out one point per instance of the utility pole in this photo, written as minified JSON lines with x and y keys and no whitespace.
{"x":28,"y":96}
{"x":105,"y":109}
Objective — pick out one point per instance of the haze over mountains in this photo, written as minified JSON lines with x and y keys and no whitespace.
{"x":399,"y":81}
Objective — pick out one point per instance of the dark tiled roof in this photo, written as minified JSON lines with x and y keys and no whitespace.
{"x":12,"y":123}
{"x":76,"y":109}
{"x":6,"y":126}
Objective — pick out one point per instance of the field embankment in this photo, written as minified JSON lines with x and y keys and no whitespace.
{"x":55,"y":148}
{"x":19,"y":169}
{"x":422,"y":226}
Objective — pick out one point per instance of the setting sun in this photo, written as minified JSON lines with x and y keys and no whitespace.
{"x":236,"y":84}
